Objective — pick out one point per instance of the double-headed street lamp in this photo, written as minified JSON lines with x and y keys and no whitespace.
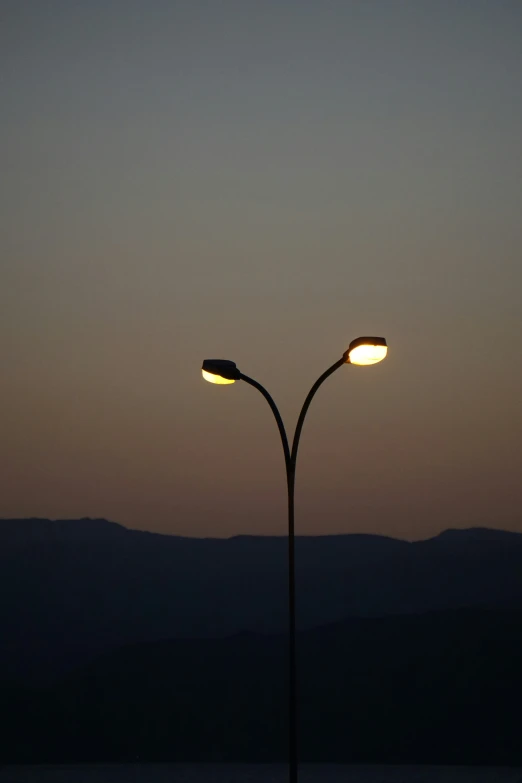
{"x":362,"y":351}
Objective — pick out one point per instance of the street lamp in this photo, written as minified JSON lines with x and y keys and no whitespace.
{"x":220,"y":371}
{"x":361,"y":351}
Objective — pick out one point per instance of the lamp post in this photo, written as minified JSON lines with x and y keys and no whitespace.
{"x":361,"y":351}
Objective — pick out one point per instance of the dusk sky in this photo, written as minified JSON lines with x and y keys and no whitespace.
{"x":261,"y":181}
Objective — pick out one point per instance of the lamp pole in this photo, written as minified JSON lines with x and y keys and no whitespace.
{"x":290,"y":465}
{"x":223,"y":372}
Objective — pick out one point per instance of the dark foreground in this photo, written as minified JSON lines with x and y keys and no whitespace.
{"x":440,"y":688}
{"x":260,"y":773}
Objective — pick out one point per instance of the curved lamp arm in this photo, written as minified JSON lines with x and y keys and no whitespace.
{"x":277,"y":416}
{"x":306,"y":405}
{"x":291,"y":456}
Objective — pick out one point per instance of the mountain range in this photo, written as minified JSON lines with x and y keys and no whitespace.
{"x":118,"y":645}
{"x":74,"y":589}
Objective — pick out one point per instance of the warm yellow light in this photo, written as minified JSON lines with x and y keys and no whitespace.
{"x":211,"y":378}
{"x":367,"y":354}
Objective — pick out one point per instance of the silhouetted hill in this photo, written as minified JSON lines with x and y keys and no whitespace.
{"x":73,"y":589}
{"x":442,"y":687}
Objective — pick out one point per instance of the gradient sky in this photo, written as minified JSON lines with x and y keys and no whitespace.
{"x":261,"y":181}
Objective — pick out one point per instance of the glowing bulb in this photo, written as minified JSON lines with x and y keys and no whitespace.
{"x":211,"y":378}
{"x":367,"y":354}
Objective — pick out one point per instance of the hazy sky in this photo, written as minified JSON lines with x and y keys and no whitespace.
{"x":261,"y":180}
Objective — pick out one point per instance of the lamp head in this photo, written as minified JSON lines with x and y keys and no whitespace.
{"x":220,"y":371}
{"x":366,"y":350}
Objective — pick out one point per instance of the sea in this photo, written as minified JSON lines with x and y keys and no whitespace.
{"x":255,"y":773}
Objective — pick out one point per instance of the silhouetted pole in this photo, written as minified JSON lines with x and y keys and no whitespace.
{"x":361,"y":351}
{"x":290,"y":465}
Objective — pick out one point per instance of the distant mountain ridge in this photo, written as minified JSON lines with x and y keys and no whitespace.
{"x":74,"y":589}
